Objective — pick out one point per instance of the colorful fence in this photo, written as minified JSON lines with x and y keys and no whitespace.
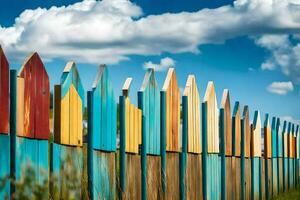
{"x":169,"y":148}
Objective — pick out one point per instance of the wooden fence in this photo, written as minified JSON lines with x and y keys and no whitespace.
{"x":170,"y":146}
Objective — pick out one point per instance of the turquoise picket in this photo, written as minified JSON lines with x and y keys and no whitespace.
{"x":104,"y":113}
{"x":151,"y":112}
{"x":280,"y":159}
{"x":5,"y":164}
{"x":274,"y":158}
{"x":103,"y":130}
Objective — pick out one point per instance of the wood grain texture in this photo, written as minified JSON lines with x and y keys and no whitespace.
{"x":255,"y":178}
{"x":154,"y":187}
{"x":20,"y":106}
{"x":104,"y":113}
{"x":225,"y":104}
{"x":172,"y":175}
{"x":280,"y":174}
{"x":274,"y":182}
{"x":248,"y":178}
{"x":171,"y":89}
{"x":69,"y":113}
{"x":237,"y":184}
{"x":256,"y":136}
{"x":151,"y":112}
{"x":194,"y":116}
{"x":230,"y":181}
{"x":104,"y":175}
{"x":133,"y":177}
{"x":236,"y":130}
{"x":267,"y":138}
{"x":247,"y":132}
{"x":212,"y":119}
{"x":133,"y":122}
{"x":194,"y":176}
{"x":4,"y":93}
{"x":36,"y":92}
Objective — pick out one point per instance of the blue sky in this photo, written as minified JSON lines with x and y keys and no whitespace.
{"x":250,"y":47}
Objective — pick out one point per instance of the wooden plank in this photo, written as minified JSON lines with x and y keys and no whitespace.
{"x":151,"y":97}
{"x":285,"y":139}
{"x":274,"y":138}
{"x":71,"y":107}
{"x":194,"y":128}
{"x":248,"y":176}
{"x":236,"y":132}
{"x":172,"y":111}
{"x":20,"y":107}
{"x":255,"y":178}
{"x":104,"y":112}
{"x":104,"y":175}
{"x":212,"y":119}
{"x":194,"y":176}
{"x":225,"y":104}
{"x":4,"y":93}
{"x":132,"y":122}
{"x":280,"y":139}
{"x":57,"y":115}
{"x":247,"y":132}
{"x":172,"y":168}
{"x":256,"y":136}
{"x":297,"y":142}
{"x":36,"y":98}
{"x":267,"y":138}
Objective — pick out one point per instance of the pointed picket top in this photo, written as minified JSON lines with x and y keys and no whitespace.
{"x":33,"y":99}
{"x":225,"y":104}
{"x":236,"y":136}
{"x":149,"y":103}
{"x":172,"y":91}
{"x":285,"y":138}
{"x":247,"y":132}
{"x":133,"y":121}
{"x":126,"y":87}
{"x":212,"y":119}
{"x":70,"y":77}
{"x":4,"y":93}
{"x":274,"y":138}
{"x":194,"y":129}
{"x":267,"y":138}
{"x":290,"y":139}
{"x":256,"y":135}
{"x":104,"y":112}
{"x":280,"y":138}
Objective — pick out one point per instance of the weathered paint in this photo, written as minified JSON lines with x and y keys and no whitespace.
{"x":5,"y":163}
{"x":256,"y":136}
{"x":35,"y":93}
{"x":104,"y":112}
{"x":149,"y":98}
{"x":193,"y":115}
{"x":285,"y":155}
{"x":104,"y":173}
{"x":172,"y":104}
{"x":255,"y":178}
{"x":4,"y":93}
{"x":69,"y":107}
{"x":225,"y":105}
{"x":62,"y":158}
{"x":33,"y":154}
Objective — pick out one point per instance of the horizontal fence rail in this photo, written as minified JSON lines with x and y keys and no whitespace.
{"x":167,"y":146}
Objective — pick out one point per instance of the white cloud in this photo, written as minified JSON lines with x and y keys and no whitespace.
{"x":280,"y":88}
{"x":290,"y":119}
{"x":284,"y":54}
{"x":164,"y":64}
{"x":109,"y":31}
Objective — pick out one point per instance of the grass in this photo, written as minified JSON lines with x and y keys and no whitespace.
{"x":290,"y":195}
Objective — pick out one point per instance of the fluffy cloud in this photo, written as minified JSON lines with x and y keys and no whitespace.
{"x":280,"y":88}
{"x":284,"y":54}
{"x":164,"y":64}
{"x":109,"y":31}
